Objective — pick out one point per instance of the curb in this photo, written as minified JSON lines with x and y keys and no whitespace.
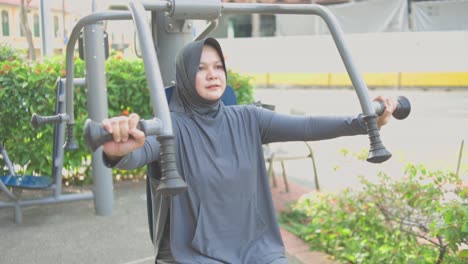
{"x":297,"y":251}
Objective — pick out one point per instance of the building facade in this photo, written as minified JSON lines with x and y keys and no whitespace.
{"x":12,"y":34}
{"x":258,"y":25}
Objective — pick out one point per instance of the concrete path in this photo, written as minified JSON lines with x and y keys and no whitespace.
{"x":72,"y":233}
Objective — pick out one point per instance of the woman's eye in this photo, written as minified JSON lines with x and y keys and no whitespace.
{"x":219,"y":67}
{"x":201,"y":68}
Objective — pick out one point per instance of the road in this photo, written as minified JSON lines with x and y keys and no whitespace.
{"x":431,"y":135}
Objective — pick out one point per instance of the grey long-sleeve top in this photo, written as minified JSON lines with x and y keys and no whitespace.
{"x":227,"y":214}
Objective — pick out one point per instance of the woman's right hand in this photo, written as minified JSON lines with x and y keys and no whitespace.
{"x":126,"y":136}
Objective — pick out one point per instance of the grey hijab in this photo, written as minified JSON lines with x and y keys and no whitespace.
{"x":185,"y":97}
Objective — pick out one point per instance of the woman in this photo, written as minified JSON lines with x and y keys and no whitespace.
{"x":227,"y":214}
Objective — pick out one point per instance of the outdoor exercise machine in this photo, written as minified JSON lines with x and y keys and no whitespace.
{"x":13,"y":185}
{"x":174,"y":21}
{"x":169,"y":30}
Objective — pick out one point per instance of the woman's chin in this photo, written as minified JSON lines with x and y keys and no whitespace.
{"x":213,"y":95}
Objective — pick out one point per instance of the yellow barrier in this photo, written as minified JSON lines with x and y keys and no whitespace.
{"x":435,"y":79}
{"x":448,"y":79}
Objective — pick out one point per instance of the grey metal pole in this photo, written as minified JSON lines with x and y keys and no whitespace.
{"x":152,"y":70}
{"x":335,"y":31}
{"x":168,"y":42}
{"x":170,"y":36}
{"x":102,"y":207}
{"x":93,"y":6}
{"x":59,"y":140}
{"x":69,"y":64}
{"x":46,"y":29}
{"x":207,"y":30}
{"x":98,"y":110}
{"x":377,"y":152}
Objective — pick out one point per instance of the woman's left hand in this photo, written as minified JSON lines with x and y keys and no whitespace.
{"x":390,"y":106}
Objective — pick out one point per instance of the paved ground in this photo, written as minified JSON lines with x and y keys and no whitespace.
{"x":72,"y":233}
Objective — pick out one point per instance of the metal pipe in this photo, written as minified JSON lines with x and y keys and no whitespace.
{"x":93,"y":6}
{"x":150,"y":6}
{"x":377,"y":151}
{"x":171,"y":183}
{"x":46,"y":29}
{"x":103,"y":193}
{"x":150,"y":63}
{"x":210,"y":27}
{"x":69,"y":65}
{"x":157,"y":5}
{"x":152,"y":69}
{"x":96,"y":92}
{"x":335,"y":31}
{"x":74,"y":35}
{"x":4,"y":189}
{"x":49,"y":200}
{"x":78,"y":81}
{"x":59,"y":139}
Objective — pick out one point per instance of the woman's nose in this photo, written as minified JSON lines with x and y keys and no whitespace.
{"x":211,"y":74}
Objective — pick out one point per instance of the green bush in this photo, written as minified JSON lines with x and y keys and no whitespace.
{"x":9,"y":53}
{"x":27,"y":88}
{"x":422,"y":218}
{"x":242,"y":86}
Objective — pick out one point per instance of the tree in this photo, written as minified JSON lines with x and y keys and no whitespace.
{"x":24,"y":23}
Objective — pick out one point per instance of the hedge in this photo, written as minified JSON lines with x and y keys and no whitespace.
{"x":27,"y":88}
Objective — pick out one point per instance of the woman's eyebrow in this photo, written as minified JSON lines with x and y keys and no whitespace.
{"x":217,"y":61}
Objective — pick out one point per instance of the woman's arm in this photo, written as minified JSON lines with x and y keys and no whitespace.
{"x":137,"y":158}
{"x":275,"y":127}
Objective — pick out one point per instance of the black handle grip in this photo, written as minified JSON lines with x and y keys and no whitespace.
{"x":171,"y":183}
{"x":70,"y":144}
{"x":402,"y":110}
{"x":377,"y":151}
{"x":96,"y":135}
{"x":38,"y":120}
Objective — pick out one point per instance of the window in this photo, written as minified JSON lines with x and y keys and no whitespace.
{"x":21,"y":31}
{"x":267,"y":25}
{"x":56,"y":26}
{"x":36,"y":25}
{"x":242,"y":25}
{"x":5,"y":24}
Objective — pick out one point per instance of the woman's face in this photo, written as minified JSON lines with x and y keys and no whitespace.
{"x":210,"y":81}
